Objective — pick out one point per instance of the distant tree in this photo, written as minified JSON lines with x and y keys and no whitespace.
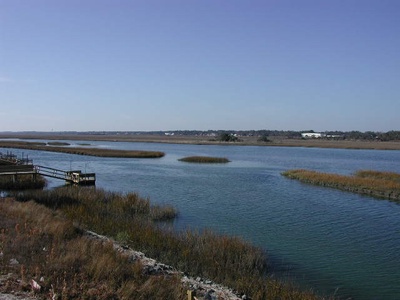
{"x":389,"y":136}
{"x":227,"y":137}
{"x":264,"y":139}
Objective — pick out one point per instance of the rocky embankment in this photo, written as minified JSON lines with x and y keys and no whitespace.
{"x":201,"y":288}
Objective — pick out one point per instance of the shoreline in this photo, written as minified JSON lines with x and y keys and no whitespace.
{"x":207,"y":140}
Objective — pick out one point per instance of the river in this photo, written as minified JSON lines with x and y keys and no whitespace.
{"x":331,"y":241}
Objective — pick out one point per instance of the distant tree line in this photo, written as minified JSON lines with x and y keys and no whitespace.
{"x":262,"y":135}
{"x":234,"y":135}
{"x":367,"y":135}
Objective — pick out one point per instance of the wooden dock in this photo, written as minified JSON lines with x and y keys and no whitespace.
{"x":11,"y":166}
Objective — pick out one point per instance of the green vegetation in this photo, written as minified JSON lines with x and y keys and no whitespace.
{"x":373,"y":183}
{"x":204,"y":159}
{"x":73,"y":266}
{"x":264,"y":139}
{"x":227,"y":137}
{"x":84,"y":151}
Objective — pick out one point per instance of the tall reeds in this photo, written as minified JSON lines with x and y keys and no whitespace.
{"x":373,"y":183}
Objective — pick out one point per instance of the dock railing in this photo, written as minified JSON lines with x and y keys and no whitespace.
{"x":11,"y":165}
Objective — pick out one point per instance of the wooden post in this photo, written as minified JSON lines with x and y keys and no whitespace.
{"x":190,"y":295}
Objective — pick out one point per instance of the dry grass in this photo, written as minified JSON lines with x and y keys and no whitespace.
{"x":373,"y":183}
{"x":389,"y":176}
{"x":130,"y":220}
{"x":204,"y":159}
{"x":40,"y":244}
{"x":99,"y":203}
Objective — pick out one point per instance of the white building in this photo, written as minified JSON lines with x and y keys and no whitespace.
{"x":315,"y":135}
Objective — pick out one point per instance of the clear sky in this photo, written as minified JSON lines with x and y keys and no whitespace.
{"x":143,"y":65}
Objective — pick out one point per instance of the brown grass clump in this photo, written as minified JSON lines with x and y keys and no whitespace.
{"x":204,"y":159}
{"x":76,"y":200}
{"x":373,"y":183}
{"x":39,"y":246}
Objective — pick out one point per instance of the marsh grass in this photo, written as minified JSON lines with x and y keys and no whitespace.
{"x":373,"y":183}
{"x":22,"y":182}
{"x":83,"y":151}
{"x":57,"y":144}
{"x":47,"y":248}
{"x":389,"y":176}
{"x":111,"y":205}
{"x":204,"y":159}
{"x":130,"y":219}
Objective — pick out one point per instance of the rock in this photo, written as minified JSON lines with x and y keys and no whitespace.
{"x":210,"y":295}
{"x":35,"y":286}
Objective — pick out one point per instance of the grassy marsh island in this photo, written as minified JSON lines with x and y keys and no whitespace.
{"x":83,"y":151}
{"x":68,"y":264}
{"x":205,"y":159}
{"x":58,"y":144}
{"x":373,"y":183}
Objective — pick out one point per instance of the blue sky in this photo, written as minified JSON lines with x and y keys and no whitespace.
{"x":146,"y":65}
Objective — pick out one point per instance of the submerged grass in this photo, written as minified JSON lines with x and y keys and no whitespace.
{"x":204,"y":159}
{"x":374,"y":183}
{"x":131,"y":220}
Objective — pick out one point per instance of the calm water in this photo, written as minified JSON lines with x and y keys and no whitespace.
{"x":332,"y":241}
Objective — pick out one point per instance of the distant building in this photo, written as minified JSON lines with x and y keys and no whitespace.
{"x":315,"y":135}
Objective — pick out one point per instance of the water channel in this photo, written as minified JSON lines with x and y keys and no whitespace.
{"x":332,"y":241}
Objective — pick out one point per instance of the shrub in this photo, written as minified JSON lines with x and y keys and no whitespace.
{"x":204,"y":159}
{"x":227,"y":137}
